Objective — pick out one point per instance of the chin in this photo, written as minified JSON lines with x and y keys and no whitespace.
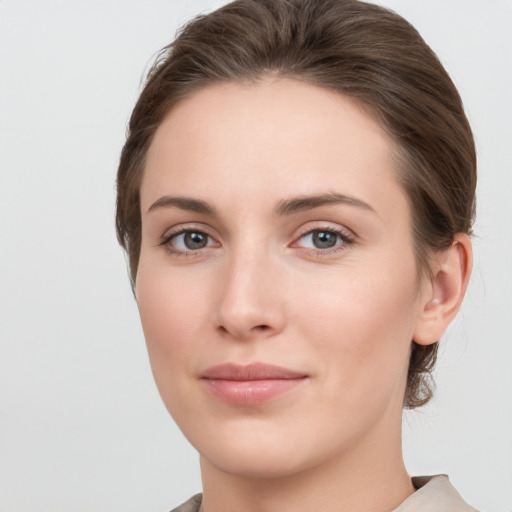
{"x":260,"y":449}
{"x":255,"y":462}
{"x":248,"y":447}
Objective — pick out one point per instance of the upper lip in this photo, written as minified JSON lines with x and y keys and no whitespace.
{"x":253,"y":371}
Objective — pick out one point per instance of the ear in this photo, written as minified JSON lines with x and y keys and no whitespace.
{"x":444,"y":290}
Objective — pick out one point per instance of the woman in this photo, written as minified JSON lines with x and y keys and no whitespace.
{"x":295,"y":196}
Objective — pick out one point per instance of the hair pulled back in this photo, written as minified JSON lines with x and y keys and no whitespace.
{"x":361,"y":50}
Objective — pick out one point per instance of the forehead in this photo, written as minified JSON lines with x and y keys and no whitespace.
{"x":275,"y":137}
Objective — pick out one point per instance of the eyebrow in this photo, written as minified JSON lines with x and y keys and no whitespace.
{"x":301,"y":203}
{"x":183,"y":203}
{"x":283,"y":207}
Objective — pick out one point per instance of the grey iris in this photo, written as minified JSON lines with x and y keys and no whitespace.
{"x":195,"y":240}
{"x":324,"y":239}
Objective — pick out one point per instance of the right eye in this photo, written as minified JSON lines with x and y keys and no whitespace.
{"x":189,"y":240}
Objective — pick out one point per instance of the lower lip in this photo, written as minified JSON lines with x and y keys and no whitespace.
{"x":250,"y":392}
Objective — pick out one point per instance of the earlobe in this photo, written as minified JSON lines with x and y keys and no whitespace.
{"x":441,"y":300}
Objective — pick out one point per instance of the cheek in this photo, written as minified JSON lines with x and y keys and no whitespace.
{"x":171,"y":303}
{"x":172,"y":310}
{"x":362,"y":324}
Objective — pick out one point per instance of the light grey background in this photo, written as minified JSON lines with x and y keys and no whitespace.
{"x":82,"y":426}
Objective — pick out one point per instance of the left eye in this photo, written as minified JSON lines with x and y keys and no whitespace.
{"x":321,"y":239}
{"x":190,"y":241}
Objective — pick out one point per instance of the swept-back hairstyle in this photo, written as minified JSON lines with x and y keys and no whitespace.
{"x":361,"y":50}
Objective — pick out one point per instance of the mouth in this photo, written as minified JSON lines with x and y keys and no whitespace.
{"x":253,"y":384}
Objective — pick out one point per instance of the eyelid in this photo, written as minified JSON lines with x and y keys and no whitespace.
{"x":184,"y":227}
{"x":347,"y":237}
{"x":325,"y":226}
{"x":179,"y":229}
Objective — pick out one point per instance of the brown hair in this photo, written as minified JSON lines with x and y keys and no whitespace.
{"x":361,"y":50}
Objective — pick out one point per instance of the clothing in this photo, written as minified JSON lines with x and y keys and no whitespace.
{"x":192,"y":505}
{"x":434,"y":494}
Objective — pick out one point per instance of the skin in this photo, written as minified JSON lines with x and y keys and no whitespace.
{"x":260,"y":291}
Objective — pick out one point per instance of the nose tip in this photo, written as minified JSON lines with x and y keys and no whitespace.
{"x":239,"y":331}
{"x":247,"y":318}
{"x":249,"y":305}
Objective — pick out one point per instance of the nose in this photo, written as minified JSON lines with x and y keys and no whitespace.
{"x":251,"y":302}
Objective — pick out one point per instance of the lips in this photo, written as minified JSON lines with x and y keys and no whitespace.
{"x":252,"y":384}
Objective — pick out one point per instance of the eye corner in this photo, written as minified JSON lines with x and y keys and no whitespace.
{"x":188,"y":241}
{"x":323,"y":239}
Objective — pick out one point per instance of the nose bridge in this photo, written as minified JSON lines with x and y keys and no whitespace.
{"x":249,"y":302}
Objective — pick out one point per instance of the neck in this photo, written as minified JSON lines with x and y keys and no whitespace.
{"x":369,"y":478}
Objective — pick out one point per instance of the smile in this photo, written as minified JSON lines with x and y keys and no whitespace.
{"x":252,"y":384}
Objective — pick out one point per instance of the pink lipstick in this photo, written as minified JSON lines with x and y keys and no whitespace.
{"x":251,"y":384}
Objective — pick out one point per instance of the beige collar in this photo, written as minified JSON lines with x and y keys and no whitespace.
{"x":434,"y":494}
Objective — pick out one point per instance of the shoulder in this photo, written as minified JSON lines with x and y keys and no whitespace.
{"x":192,"y":505}
{"x":434,"y":494}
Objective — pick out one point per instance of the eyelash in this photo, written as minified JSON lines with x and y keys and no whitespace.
{"x":166,"y":242}
{"x":345,"y":238}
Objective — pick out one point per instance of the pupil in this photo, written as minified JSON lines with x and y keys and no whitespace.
{"x":195,"y":240}
{"x":324,"y":239}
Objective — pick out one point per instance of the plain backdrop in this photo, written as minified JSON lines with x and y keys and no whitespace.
{"x":82,"y":425}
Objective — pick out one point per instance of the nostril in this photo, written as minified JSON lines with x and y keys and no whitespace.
{"x":261,"y":327}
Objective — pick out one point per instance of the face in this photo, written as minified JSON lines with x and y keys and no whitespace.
{"x":277,"y":283}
